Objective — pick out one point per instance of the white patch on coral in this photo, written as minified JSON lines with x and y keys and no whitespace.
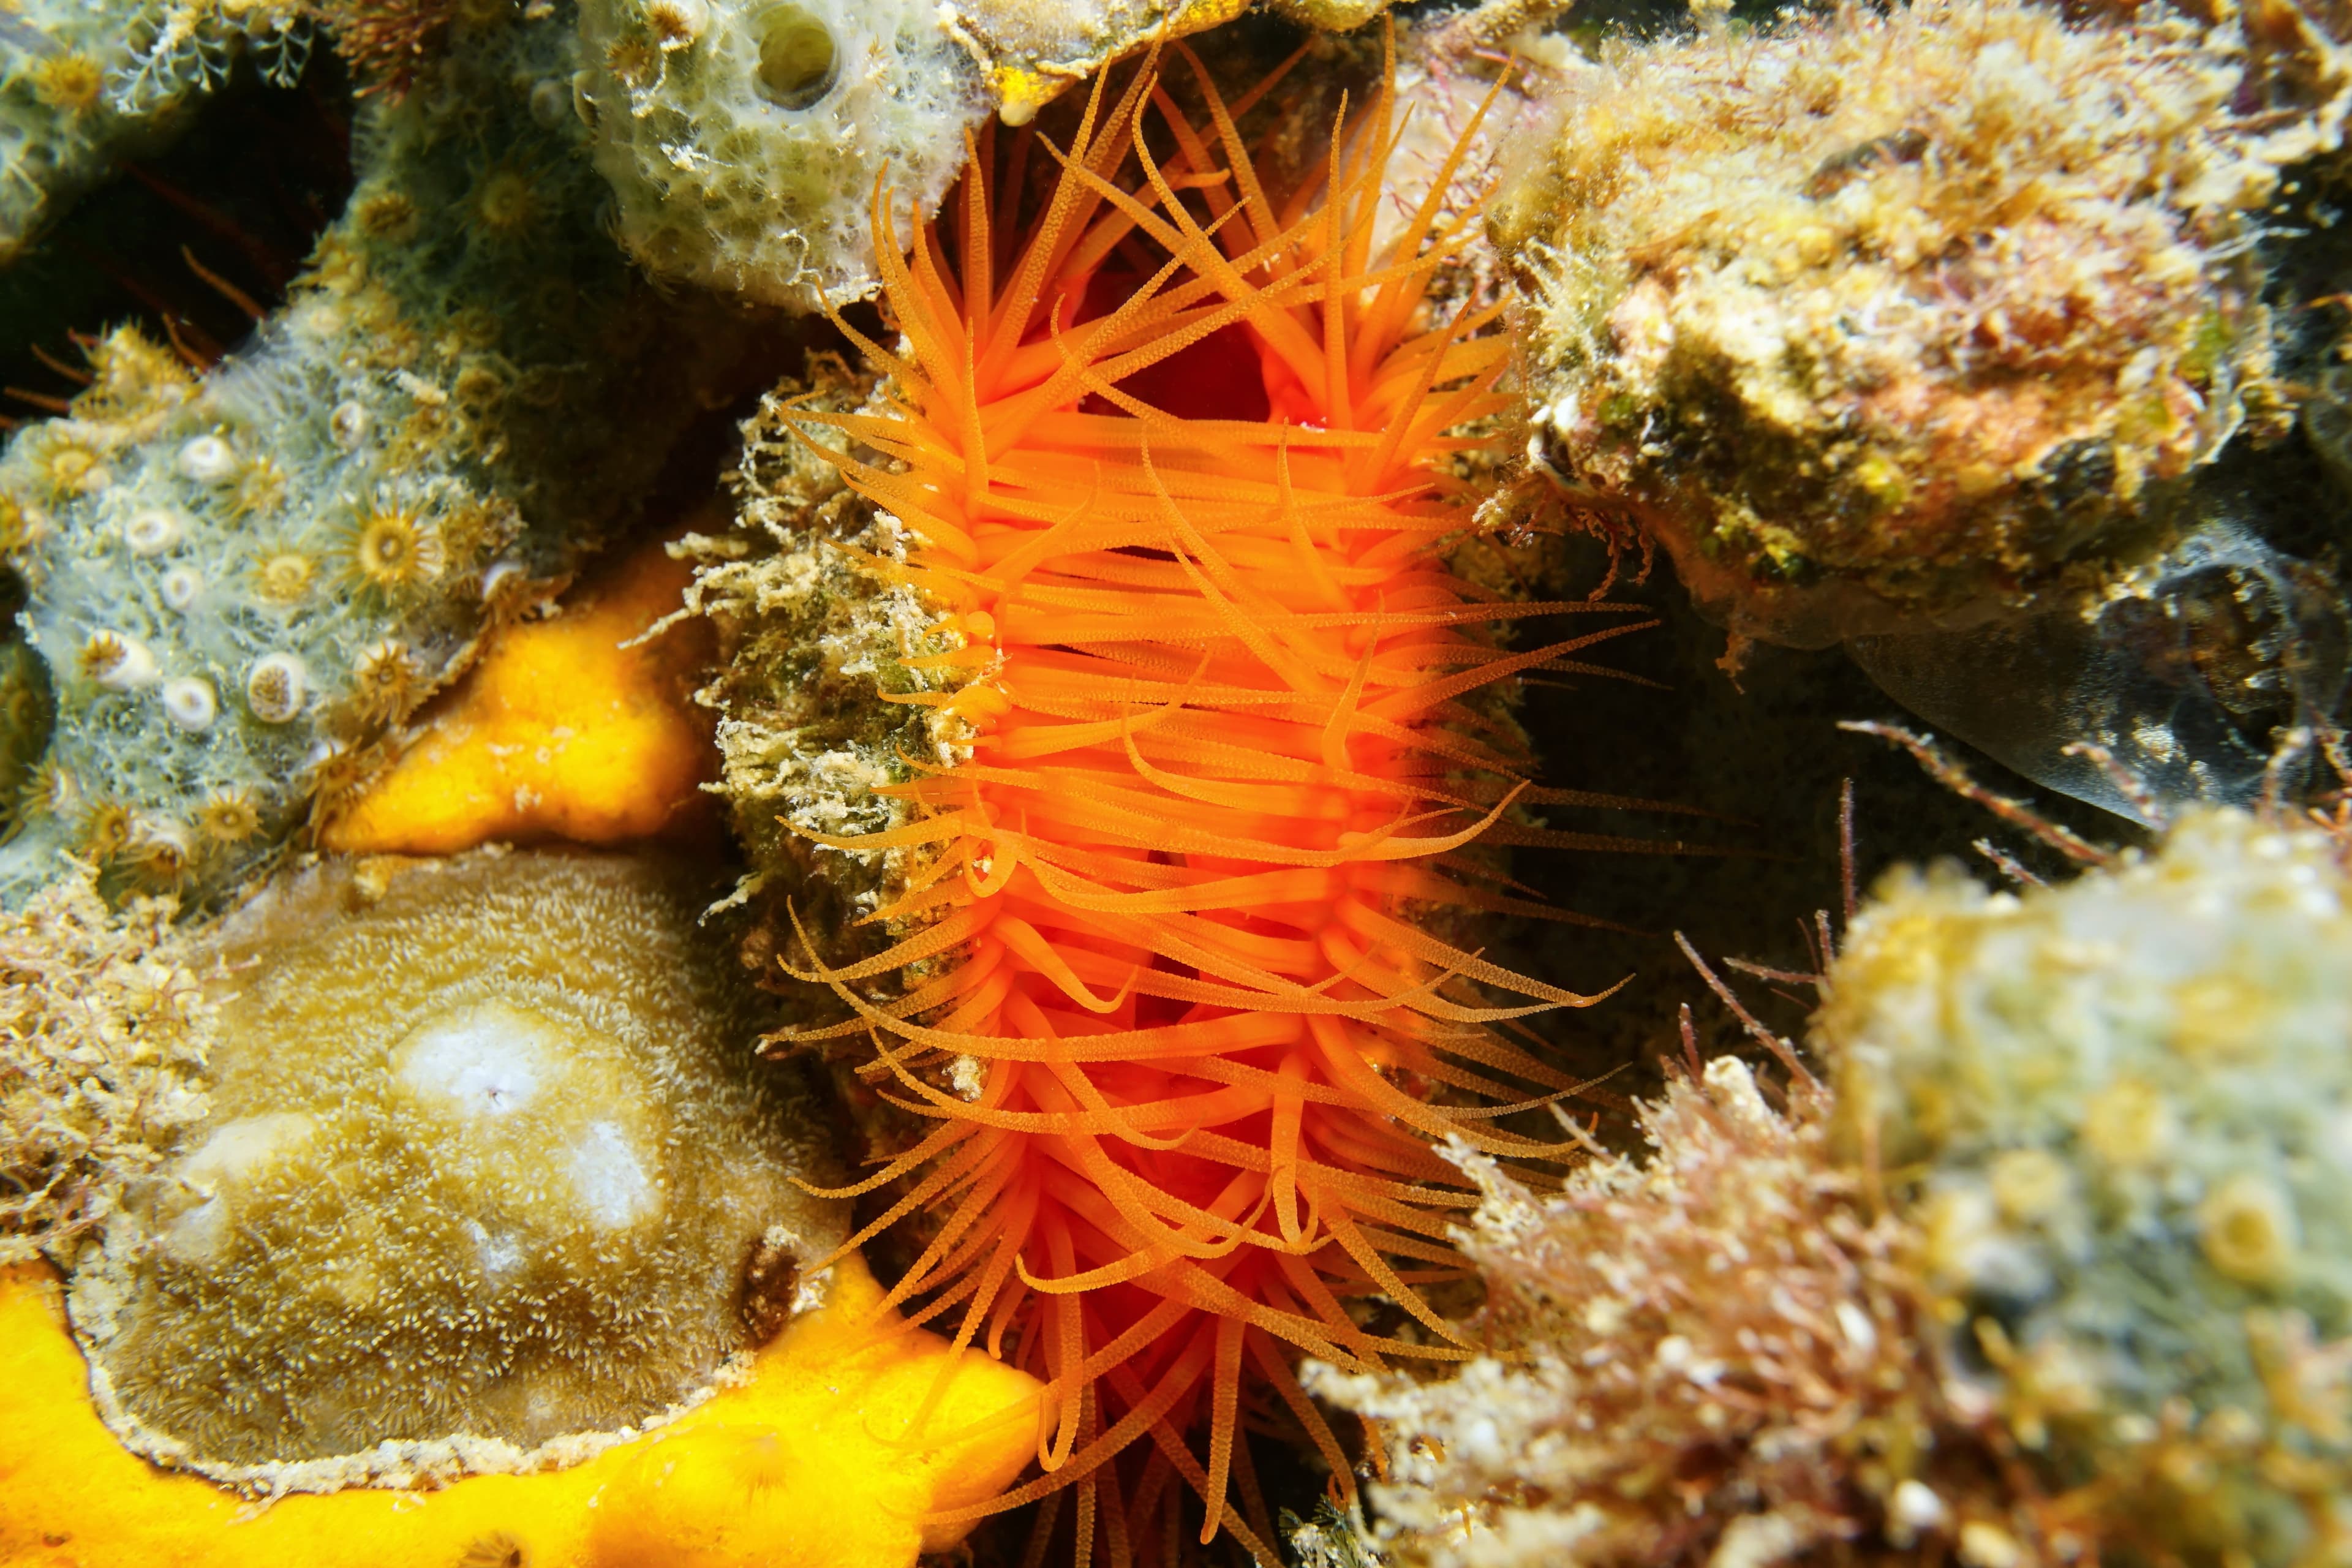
{"x":488,"y":1060}
{"x":500,"y":1253}
{"x":235,"y":1154}
{"x":608,"y":1177}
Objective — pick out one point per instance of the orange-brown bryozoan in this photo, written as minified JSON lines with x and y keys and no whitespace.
{"x":1218,"y":669}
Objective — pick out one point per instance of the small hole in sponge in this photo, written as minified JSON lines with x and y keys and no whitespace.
{"x":798,"y":60}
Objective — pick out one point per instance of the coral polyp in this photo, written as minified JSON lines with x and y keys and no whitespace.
{"x":1169,"y":454}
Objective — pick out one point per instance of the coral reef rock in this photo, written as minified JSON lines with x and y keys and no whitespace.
{"x":1035,"y":49}
{"x":489,"y":1181}
{"x":85,"y":85}
{"x":2124,"y":1109}
{"x":2058,"y":1270}
{"x":744,"y":139}
{"x":1885,"y":316}
{"x":240,"y":580}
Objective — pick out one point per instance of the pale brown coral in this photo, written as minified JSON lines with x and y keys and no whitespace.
{"x":489,"y":1181}
{"x":386,"y":41}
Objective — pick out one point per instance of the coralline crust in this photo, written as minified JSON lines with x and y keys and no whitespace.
{"x":489,"y":1182}
{"x":1884,"y":316}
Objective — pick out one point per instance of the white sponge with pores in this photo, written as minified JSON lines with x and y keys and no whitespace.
{"x":743,"y":139}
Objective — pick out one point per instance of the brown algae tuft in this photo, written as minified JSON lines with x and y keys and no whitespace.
{"x":103,"y":1036}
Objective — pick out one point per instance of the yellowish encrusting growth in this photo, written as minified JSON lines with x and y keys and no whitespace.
{"x":810,"y":1461}
{"x":2123,"y":1108}
{"x":1901,"y":312}
{"x":570,"y":728}
{"x":103,"y":1034}
{"x":490,"y":1180}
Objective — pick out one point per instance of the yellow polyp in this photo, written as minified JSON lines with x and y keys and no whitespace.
{"x":804,"y":1467}
{"x":560,"y":732}
{"x":1021,"y":92}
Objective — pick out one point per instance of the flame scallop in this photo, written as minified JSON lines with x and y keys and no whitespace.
{"x":1178,"y":455}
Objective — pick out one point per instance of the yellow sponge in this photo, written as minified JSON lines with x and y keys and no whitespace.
{"x":809,"y":1465}
{"x":560,"y":732}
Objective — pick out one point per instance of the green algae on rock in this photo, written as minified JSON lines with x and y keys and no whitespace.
{"x":2122,"y":1108}
{"x":490,"y":1180}
{"x":239,"y":581}
{"x":1886,"y":316}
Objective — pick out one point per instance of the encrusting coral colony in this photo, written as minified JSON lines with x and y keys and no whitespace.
{"x":782,"y":834}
